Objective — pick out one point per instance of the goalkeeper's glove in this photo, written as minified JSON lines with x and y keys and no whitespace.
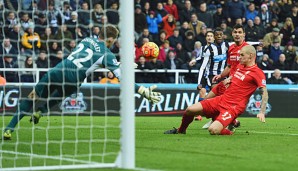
{"x":149,"y":94}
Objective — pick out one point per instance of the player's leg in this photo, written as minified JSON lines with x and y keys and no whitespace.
{"x":220,"y":125}
{"x":23,"y":110}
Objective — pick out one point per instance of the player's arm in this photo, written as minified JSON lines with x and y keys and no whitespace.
{"x":225,"y":73}
{"x":265,"y":97}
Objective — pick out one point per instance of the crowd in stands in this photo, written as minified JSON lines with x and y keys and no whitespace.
{"x":40,"y":33}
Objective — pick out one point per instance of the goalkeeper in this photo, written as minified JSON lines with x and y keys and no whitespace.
{"x":90,"y":54}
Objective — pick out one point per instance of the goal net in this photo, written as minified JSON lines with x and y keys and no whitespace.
{"x":91,"y":128}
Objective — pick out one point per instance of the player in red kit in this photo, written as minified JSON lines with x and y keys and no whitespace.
{"x":228,"y":106}
{"x":238,"y":34}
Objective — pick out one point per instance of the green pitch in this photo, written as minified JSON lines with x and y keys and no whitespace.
{"x":255,"y":146}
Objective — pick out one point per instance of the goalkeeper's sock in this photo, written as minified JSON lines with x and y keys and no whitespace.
{"x":226,"y":132}
{"x":25,"y":107}
{"x":186,"y":120}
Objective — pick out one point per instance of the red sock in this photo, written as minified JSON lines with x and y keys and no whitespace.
{"x":226,"y":132}
{"x":186,"y":120}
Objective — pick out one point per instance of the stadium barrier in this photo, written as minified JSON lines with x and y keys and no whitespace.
{"x":177,"y":72}
{"x":175,"y":98}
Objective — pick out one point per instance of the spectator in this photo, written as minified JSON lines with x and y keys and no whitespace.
{"x":235,"y":9}
{"x":2,"y":80}
{"x":153,"y":21}
{"x":95,"y":32}
{"x":180,"y":4}
{"x":70,"y":47}
{"x":218,"y":16}
{"x":64,"y":35}
{"x":145,"y":34}
{"x":138,"y":49}
{"x":97,"y":14}
{"x":162,"y":37}
{"x":109,"y":79}
{"x":54,"y":58}
{"x":47,"y":38}
{"x":41,"y":24}
{"x":160,"y":10}
{"x":270,"y":37}
{"x":15,"y":36}
{"x":28,"y":76}
{"x":275,"y":9}
{"x":294,"y":15}
{"x":205,"y":16}
{"x":227,"y":31}
{"x":290,"y":52}
{"x":169,"y":24}
{"x":140,"y":21}
{"x":163,"y":51}
{"x":182,"y":55}
{"x":113,"y":14}
{"x":7,"y":48}
{"x":80,"y":34}
{"x":265,"y":15}
{"x":266,"y":63}
{"x":275,"y":51}
{"x":185,"y":14}
{"x":42,"y":62}
{"x":251,"y":12}
{"x":287,"y":31}
{"x":157,"y":77}
{"x":294,"y":67}
{"x":260,"y":53}
{"x":9,"y":62}
{"x":184,"y":28}
{"x":281,"y":64}
{"x":285,"y":9}
{"x":195,"y":25}
{"x":277,"y":78}
{"x":25,"y":21}
{"x":202,"y":36}
{"x":71,"y":24}
{"x":171,"y":63}
{"x":143,"y":77}
{"x":147,"y":8}
{"x":31,"y":40}
{"x":189,"y":42}
{"x":273,"y":24}
{"x":251,"y":32}
{"x":175,"y":38}
{"x":171,"y":8}
{"x":260,"y":27}
{"x":66,"y":12}
{"x":10,"y":22}
{"x":54,"y":17}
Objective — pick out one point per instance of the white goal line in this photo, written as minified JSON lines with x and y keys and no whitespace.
{"x":272,"y":133}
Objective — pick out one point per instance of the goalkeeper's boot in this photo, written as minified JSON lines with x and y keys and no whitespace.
{"x":35,"y":117}
{"x":7,"y":135}
{"x":174,"y":131}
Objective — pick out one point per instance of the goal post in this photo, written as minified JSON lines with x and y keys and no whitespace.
{"x":90,"y":136}
{"x":127,"y":99}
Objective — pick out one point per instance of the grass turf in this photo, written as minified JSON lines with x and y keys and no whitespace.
{"x":255,"y":146}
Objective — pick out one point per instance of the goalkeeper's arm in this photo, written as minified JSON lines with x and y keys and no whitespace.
{"x":148,"y":93}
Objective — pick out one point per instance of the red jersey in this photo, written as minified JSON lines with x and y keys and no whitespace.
{"x":243,"y":84}
{"x":233,"y":56}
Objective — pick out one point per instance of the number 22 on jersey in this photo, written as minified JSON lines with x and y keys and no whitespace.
{"x":78,"y":61}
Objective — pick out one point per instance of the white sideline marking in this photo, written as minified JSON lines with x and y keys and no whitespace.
{"x":272,"y":133}
{"x":49,"y":157}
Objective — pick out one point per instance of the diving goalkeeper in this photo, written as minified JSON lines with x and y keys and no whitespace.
{"x":64,"y":79}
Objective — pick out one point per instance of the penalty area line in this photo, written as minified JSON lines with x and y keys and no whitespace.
{"x":48,"y":157}
{"x":272,"y":133}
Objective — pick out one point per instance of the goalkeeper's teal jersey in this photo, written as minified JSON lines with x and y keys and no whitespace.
{"x":90,"y":54}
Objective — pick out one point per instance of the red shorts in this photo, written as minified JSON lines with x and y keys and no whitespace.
{"x":219,"y":89}
{"x":212,"y":108}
